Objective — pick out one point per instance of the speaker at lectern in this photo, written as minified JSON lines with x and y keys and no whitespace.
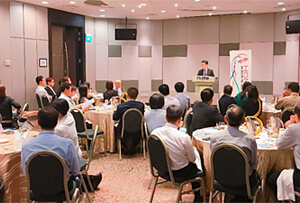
{"x":201,"y":82}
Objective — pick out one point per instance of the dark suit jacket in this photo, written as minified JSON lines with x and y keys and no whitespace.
{"x":205,"y":115}
{"x":251,"y":107}
{"x":50,"y":92}
{"x":118,"y":113}
{"x":210,"y":72}
{"x":224,"y":102}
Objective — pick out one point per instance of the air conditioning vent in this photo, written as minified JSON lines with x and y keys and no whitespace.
{"x":95,"y":2}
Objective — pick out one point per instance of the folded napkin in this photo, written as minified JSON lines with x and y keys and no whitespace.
{"x":285,"y":185}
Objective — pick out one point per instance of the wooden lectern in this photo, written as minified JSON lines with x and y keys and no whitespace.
{"x":202,"y":82}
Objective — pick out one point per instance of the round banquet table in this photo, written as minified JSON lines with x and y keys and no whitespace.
{"x":105,"y":122}
{"x":15,"y":183}
{"x":268,"y":160}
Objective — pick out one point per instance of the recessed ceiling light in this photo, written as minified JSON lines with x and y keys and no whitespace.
{"x":72,"y":2}
{"x":245,"y":12}
{"x":140,"y":6}
{"x":163,"y":11}
{"x":283,"y":9}
{"x":123,"y":5}
{"x":102,"y":16}
{"x":143,"y":4}
{"x":176,"y":5}
{"x":209,"y":14}
{"x":44,"y":2}
{"x":177,"y":16}
{"x":197,"y":0}
{"x":102,"y":10}
{"x":214,"y":7}
{"x":147,"y":18}
{"x":132,"y":10}
{"x":280,"y":3}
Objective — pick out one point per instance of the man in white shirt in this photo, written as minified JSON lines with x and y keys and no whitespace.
{"x":66,"y":126}
{"x":184,"y":100}
{"x":117,"y":87}
{"x":185,"y":160}
{"x":40,"y":90}
{"x":169,"y":100}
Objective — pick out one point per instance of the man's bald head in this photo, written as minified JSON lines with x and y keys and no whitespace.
{"x":235,"y":115}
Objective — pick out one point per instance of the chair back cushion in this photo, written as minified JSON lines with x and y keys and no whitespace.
{"x":45,"y":101}
{"x":46,"y":175}
{"x":157,"y":154}
{"x":132,"y":121}
{"x":79,"y":120}
{"x":1,"y":190}
{"x":188,"y":121}
{"x":229,"y":167}
{"x":38,"y":99}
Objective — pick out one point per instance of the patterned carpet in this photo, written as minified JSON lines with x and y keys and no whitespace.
{"x":128,"y":181}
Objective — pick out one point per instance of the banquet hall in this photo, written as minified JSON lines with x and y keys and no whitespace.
{"x":141,"y":45}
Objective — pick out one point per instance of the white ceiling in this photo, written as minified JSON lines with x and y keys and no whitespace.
{"x":153,"y":8}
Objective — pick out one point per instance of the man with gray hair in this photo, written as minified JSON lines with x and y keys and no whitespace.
{"x":117,"y":87}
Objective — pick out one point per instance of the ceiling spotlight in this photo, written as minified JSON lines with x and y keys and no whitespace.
{"x":209,"y":14}
{"x":197,"y":0}
{"x":283,"y":9}
{"x":44,"y":2}
{"x":102,"y":10}
{"x":214,"y":7}
{"x":143,"y":4}
{"x":123,"y":5}
{"x":132,"y":10}
{"x":72,"y":2}
{"x":102,"y":16}
{"x":163,"y":11}
{"x":176,"y":5}
{"x":140,"y":6}
{"x":147,"y":18}
{"x":245,"y":11}
{"x":177,"y":16}
{"x":280,"y":3}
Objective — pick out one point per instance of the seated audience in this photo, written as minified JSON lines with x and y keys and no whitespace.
{"x":205,"y":114}
{"x":66,"y":93}
{"x":66,"y":79}
{"x":169,"y":100}
{"x":117,"y":87}
{"x":48,"y":140}
{"x":235,"y":116}
{"x":226,"y":99}
{"x":40,"y":90}
{"x":90,"y":95}
{"x":184,"y":100}
{"x":242,"y":95}
{"x":6,"y":103}
{"x":290,"y":98}
{"x":131,"y":140}
{"x":252,"y":105}
{"x":156,"y":116}
{"x":66,"y":126}
{"x":109,"y":93}
{"x":83,"y":92}
{"x":290,"y":139}
{"x":50,"y":87}
{"x":181,"y":151}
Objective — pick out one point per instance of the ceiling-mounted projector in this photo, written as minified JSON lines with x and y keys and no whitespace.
{"x":125,"y":31}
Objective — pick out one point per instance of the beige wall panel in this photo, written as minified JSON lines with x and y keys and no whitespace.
{"x":42,"y":52}
{"x":157,"y":63}
{"x":257,"y":28}
{"x":144,"y":32}
{"x":262,"y":60}
{"x":102,"y":62}
{"x":144,"y":66}
{"x":197,"y":53}
{"x":90,"y":52}
{"x":18,"y":70}
{"x":175,"y":31}
{"x":203,"y":30}
{"x":115,"y":68}
{"x":224,"y":74}
{"x":101,"y":32}
{"x":30,"y":21}
{"x":130,"y":65}
{"x":16,"y":19}
{"x":173,"y":71}
{"x":42,"y":23}
{"x":230,"y":29}
{"x":156,"y":32}
{"x":30,"y":72}
{"x":286,"y":67}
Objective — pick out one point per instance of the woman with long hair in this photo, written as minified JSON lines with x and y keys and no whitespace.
{"x":109,"y":93}
{"x":252,"y":105}
{"x":242,"y":95}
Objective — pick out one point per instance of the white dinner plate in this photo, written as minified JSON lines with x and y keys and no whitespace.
{"x":3,"y":140}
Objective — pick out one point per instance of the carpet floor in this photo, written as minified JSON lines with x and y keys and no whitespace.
{"x":128,"y":180}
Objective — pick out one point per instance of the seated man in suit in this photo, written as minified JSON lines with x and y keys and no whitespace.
{"x":205,"y":114}
{"x":50,"y":87}
{"x":169,"y":100}
{"x":131,"y":140}
{"x":185,"y":159}
{"x":226,"y":99}
{"x":235,"y":116}
{"x":205,"y":71}
{"x":48,"y":140}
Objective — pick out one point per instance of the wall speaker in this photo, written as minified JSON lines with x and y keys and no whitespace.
{"x":125,"y":34}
